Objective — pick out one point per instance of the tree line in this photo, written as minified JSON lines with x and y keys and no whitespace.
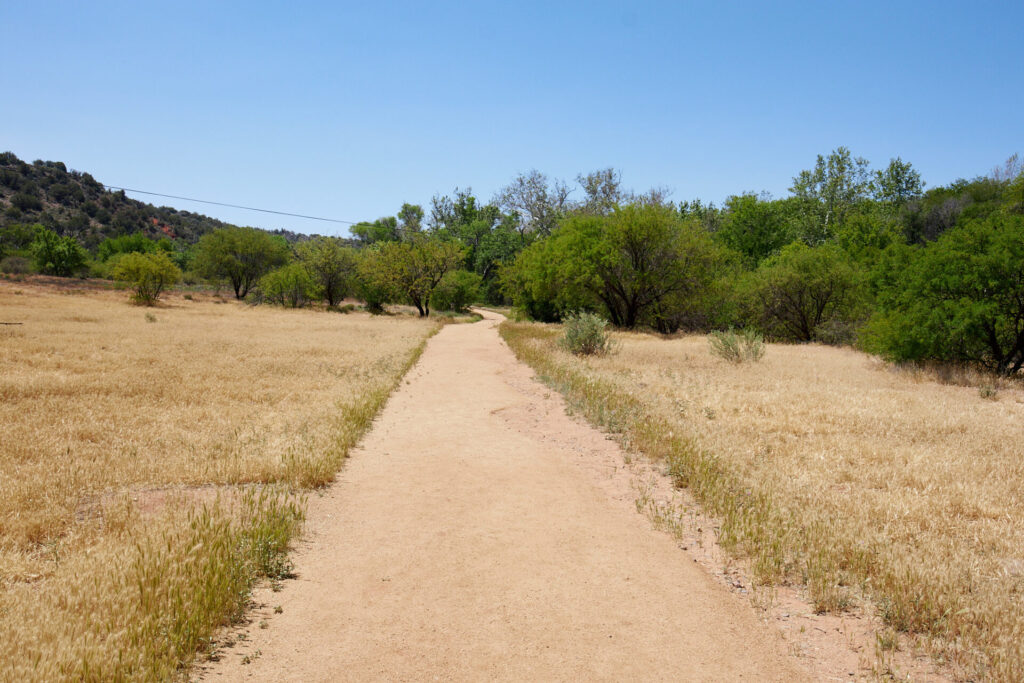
{"x":853,"y":255}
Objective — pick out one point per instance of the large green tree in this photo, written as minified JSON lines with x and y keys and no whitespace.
{"x":753,"y":226}
{"x":958,"y":299}
{"x":807,"y":294}
{"x":630,"y":262}
{"x":829,"y":191}
{"x":240,"y":255}
{"x":410,"y":270}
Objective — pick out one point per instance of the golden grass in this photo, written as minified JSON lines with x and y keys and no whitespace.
{"x":828,"y":468}
{"x":151,"y":469}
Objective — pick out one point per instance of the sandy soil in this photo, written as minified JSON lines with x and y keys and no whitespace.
{"x":480,"y":533}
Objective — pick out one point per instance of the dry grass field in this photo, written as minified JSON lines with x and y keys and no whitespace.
{"x":867,"y":484}
{"x":152,"y":463}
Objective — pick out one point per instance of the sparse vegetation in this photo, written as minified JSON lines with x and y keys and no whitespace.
{"x":907,"y":498}
{"x":166,"y":480}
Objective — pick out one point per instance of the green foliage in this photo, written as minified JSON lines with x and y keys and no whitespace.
{"x":585,"y":334}
{"x":56,"y":255}
{"x":148,"y":274}
{"x":331,"y":265}
{"x":828,"y":192}
{"x":409,"y":271}
{"x":289,"y":286}
{"x":456,"y":291}
{"x":754,"y":227}
{"x":808,"y":294}
{"x":898,"y":183}
{"x":134,"y":243}
{"x":642,"y":263}
{"x":381,"y":230}
{"x":16,"y":239}
{"x":15,"y":265}
{"x":747,"y":345}
{"x":959,"y":299}
{"x":240,"y":255}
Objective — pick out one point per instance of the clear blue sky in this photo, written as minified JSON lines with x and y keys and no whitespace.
{"x":348,"y":109}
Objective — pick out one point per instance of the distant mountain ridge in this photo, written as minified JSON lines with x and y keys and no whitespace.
{"x":74,"y":203}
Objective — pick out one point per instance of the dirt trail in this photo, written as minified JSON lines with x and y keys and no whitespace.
{"x":480,"y":533}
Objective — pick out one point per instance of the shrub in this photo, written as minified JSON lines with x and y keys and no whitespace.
{"x":456,"y":291}
{"x":15,"y":265}
{"x":289,"y":286}
{"x":331,"y":265}
{"x":148,"y":274}
{"x":737,"y":347}
{"x":807,"y":294}
{"x":585,"y":334}
{"x":56,"y":255}
{"x":959,"y":299}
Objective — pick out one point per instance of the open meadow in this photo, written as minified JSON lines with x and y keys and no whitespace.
{"x":871,"y":486}
{"x":153,"y":463}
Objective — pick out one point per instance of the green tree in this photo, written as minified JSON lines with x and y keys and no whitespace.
{"x":240,"y":255}
{"x":898,"y":184}
{"x":631,"y":262}
{"x":958,"y":299}
{"x":410,"y":216}
{"x":56,"y":255}
{"x":754,"y":227}
{"x":148,"y":273}
{"x":827,"y":192}
{"x":411,"y":270}
{"x":456,"y":291}
{"x":381,"y":230}
{"x":331,"y":265}
{"x":288,"y":285}
{"x":807,"y":294}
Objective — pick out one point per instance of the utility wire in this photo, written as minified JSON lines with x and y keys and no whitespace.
{"x":233,"y":206}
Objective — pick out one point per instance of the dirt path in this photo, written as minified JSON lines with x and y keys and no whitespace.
{"x":480,"y":533}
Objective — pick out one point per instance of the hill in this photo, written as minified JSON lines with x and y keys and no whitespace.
{"x":74,"y":203}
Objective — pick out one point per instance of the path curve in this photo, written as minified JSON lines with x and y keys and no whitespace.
{"x":479,"y":533}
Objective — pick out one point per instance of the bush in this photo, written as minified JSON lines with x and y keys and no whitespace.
{"x":456,"y":291}
{"x":737,"y":347}
{"x":15,"y":265}
{"x":805,"y":294}
{"x":585,"y":334}
{"x":148,"y":274}
{"x":331,"y":265}
{"x":56,"y":255}
{"x":959,"y":299}
{"x":289,"y":286}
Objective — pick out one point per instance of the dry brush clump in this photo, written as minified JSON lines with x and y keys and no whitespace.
{"x":152,"y":471}
{"x":830,"y":469}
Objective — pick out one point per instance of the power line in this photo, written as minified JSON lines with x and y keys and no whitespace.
{"x":233,"y":206}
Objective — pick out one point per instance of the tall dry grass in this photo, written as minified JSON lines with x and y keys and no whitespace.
{"x":866,"y":484}
{"x":152,"y":465}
